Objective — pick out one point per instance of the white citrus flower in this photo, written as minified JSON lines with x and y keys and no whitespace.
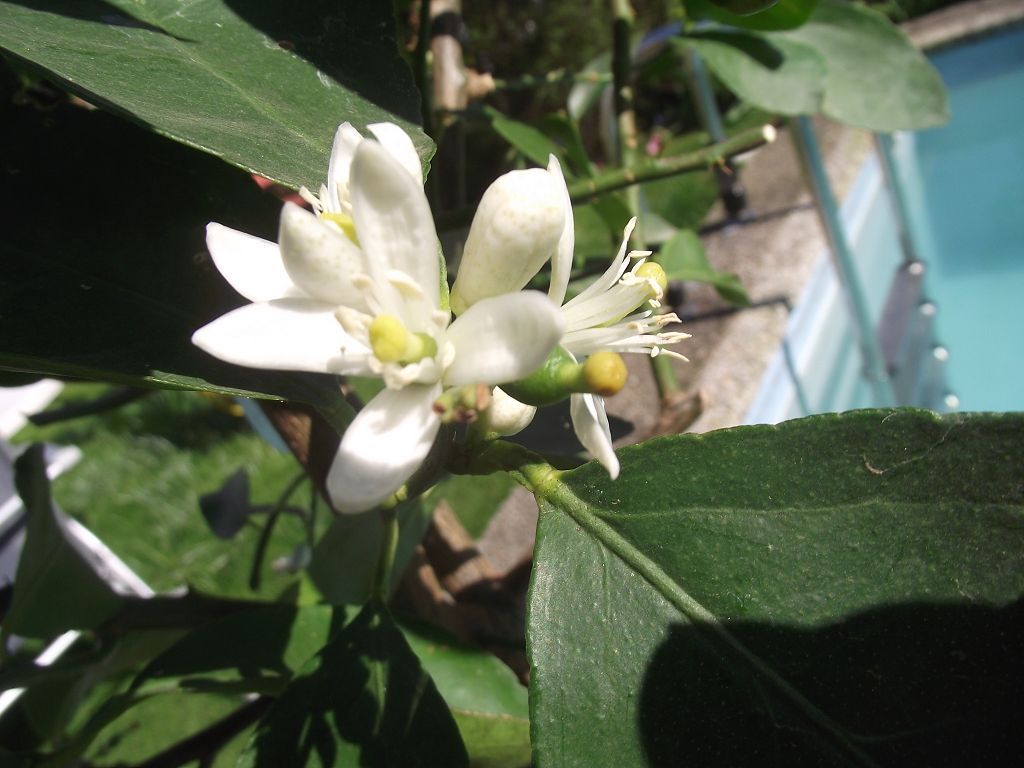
{"x":322,"y":303}
{"x":613,"y":314}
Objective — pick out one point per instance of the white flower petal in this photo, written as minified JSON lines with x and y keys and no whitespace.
{"x":515,"y":230}
{"x":252,"y":265}
{"x":590,"y":422}
{"x":503,"y":338}
{"x":395,"y":227}
{"x":561,"y":264}
{"x":346,"y":139}
{"x":399,"y":146}
{"x":285,"y":335}
{"x":506,"y":415}
{"x":319,"y":258}
{"x":383,"y":446}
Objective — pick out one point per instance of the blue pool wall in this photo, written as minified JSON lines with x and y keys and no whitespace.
{"x":964,"y":189}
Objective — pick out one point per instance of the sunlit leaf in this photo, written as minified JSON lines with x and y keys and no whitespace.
{"x":875,"y":77}
{"x":58,"y":586}
{"x":838,"y":590}
{"x":259,"y":84}
{"x":779,"y":75}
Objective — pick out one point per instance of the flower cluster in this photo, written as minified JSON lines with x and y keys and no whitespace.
{"x":356,"y":287}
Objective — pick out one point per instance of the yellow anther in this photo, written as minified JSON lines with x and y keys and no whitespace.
{"x":388,"y":338}
{"x":343,"y":220}
{"x":652,"y":271}
{"x":605,"y":372}
{"x":391,"y":342}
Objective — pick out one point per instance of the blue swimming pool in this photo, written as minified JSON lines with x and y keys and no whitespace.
{"x":964,"y":187}
{"x":967,"y":212}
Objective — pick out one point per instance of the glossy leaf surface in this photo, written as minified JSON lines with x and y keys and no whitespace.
{"x":486,"y":699}
{"x":261,"y":88}
{"x":841,"y":590}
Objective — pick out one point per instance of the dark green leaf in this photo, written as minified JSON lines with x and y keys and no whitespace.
{"x":258,"y":84}
{"x":779,"y":75}
{"x":743,"y":7}
{"x":345,"y":557}
{"x":683,"y":258}
{"x":593,"y":237}
{"x":474,"y":499}
{"x":105,"y":269}
{"x":526,"y":139}
{"x":683,"y":201}
{"x":837,"y":590}
{"x":57,"y":586}
{"x":567,"y":132}
{"x":784,"y":14}
{"x":363,"y":700}
{"x":488,"y":702}
{"x":875,"y":77}
{"x":254,"y":651}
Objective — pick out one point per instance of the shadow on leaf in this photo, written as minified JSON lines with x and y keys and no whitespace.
{"x":916,"y":684}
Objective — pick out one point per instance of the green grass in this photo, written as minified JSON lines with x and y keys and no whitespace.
{"x":143,"y":469}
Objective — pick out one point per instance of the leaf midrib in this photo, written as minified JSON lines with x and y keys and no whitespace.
{"x":559,"y":496}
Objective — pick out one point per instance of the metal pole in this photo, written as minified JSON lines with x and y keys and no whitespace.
{"x":842,"y":256}
{"x":883,"y":145}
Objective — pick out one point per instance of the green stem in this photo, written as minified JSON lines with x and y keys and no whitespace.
{"x":255,"y":574}
{"x":583,"y":190}
{"x":651,"y":169}
{"x":381,"y":587}
{"x":665,"y":375}
{"x":622,"y":69}
{"x":555,"y":77}
{"x":625,"y":114}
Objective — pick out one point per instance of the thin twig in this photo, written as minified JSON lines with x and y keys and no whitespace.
{"x":255,"y":575}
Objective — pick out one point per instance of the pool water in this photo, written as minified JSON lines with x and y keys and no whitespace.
{"x":964,"y":189}
{"x":967,"y":216}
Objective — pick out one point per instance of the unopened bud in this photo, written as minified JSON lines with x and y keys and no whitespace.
{"x":605,"y":372}
{"x":516,"y":229}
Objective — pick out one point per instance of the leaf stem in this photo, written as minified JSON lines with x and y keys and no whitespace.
{"x":622,"y":70}
{"x":650,"y":169}
{"x":255,"y":575}
{"x":381,"y":587}
{"x":554,"y":77}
